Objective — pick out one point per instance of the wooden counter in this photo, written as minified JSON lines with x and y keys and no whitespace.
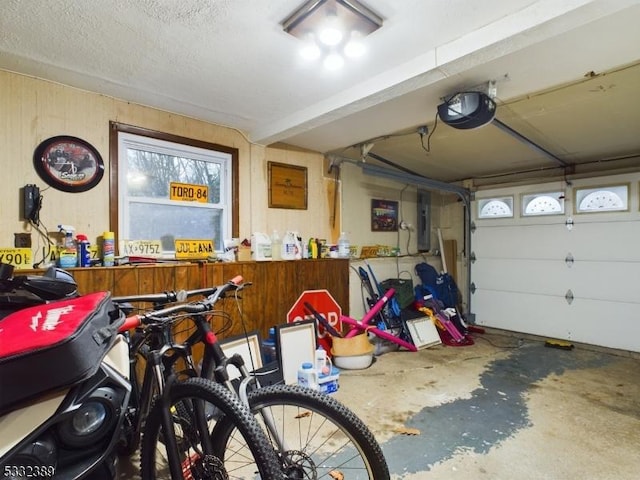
{"x":276,"y":285}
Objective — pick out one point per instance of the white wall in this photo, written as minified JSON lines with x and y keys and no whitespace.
{"x":358,"y":189}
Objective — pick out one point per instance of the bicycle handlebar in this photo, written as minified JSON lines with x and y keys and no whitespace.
{"x":170,"y":296}
{"x":200,"y":306}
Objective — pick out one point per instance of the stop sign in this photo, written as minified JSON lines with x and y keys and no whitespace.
{"x":323,"y":303}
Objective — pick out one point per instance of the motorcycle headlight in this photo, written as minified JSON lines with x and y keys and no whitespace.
{"x":92,"y":420}
{"x":88,"y":419}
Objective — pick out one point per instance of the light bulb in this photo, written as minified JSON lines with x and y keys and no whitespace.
{"x":330,"y":32}
{"x":310,"y":51}
{"x":333,"y":61}
{"x":354,"y":47}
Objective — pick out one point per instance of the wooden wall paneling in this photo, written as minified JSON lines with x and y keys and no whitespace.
{"x":272,"y":307}
{"x":123,"y":281}
{"x":164,"y":278}
{"x":262,"y":297}
{"x":329,"y":274}
{"x":91,"y":280}
{"x":289,"y":288}
{"x":145,"y":276}
{"x":450,"y":251}
{"x":188,"y":276}
{"x":275,"y":286}
{"x":214,"y":275}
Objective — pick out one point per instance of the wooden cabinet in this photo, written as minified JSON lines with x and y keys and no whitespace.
{"x":276,"y":285}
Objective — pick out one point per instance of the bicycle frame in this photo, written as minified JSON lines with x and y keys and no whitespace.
{"x":214,"y":360}
{"x":159,"y":359}
{"x":364,"y":323}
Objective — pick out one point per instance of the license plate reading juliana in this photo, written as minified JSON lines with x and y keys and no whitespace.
{"x":187,"y":192}
{"x":18,"y":257}
{"x":193,"y":249}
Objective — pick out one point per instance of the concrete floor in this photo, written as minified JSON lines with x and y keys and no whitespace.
{"x":504,"y":408}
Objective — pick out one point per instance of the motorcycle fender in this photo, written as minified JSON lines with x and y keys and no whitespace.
{"x":118,"y":356}
{"x":24,"y":421}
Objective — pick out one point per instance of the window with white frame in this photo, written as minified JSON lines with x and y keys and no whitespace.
{"x":151,"y":204}
{"x":551,"y":203}
{"x":602,"y":199}
{"x":495,"y":207}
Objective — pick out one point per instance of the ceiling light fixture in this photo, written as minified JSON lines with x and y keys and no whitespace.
{"x":332,"y":29}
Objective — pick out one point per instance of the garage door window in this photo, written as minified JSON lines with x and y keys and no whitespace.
{"x":602,"y":199}
{"x":543,"y":204}
{"x":495,"y":207}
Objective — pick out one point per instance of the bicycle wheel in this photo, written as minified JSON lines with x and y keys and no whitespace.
{"x":315,"y":435}
{"x":193,"y":401}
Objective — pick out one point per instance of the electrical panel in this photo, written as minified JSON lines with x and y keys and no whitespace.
{"x":423,"y":228}
{"x":31,"y":203}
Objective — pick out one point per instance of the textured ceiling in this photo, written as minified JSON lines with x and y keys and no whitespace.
{"x":229,"y":62}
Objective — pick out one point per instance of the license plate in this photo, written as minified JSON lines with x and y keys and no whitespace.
{"x":187,"y":192}
{"x":140,"y":248}
{"x":193,"y":249}
{"x":20,"y":258}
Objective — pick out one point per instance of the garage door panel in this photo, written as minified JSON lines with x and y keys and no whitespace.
{"x":605,"y":241}
{"x":522,"y":312}
{"x":584,"y":320}
{"x":521,"y":242}
{"x":589,"y":280}
{"x":618,"y":282}
{"x":514,"y":275}
{"x":597,"y":322}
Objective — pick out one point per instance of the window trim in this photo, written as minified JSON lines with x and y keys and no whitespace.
{"x":506,"y":199}
{"x":115,"y":128}
{"x":556,"y":195}
{"x":580,"y":192}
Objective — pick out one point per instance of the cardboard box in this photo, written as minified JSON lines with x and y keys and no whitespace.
{"x":244,"y":253}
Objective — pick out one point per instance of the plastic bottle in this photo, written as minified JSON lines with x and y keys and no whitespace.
{"x":84,"y":254}
{"x":313,"y":248}
{"x":344,"y":247}
{"x":276,"y":246}
{"x":68,"y":256}
{"x":289,"y":246}
{"x":108,"y":249}
{"x":308,"y":376}
{"x":323,"y":363}
{"x":260,"y":246}
{"x":269,"y":353}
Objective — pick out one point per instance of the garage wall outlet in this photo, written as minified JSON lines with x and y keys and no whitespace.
{"x":405,"y":226}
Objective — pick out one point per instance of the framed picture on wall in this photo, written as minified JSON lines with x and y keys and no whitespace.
{"x":287,"y":186}
{"x":384,"y":216}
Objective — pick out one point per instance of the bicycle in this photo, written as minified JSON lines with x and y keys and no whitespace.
{"x":314,"y":435}
{"x":176,"y":411}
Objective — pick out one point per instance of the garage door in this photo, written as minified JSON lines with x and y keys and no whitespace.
{"x":572,"y":275}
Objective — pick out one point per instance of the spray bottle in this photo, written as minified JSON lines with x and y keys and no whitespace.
{"x":68,"y":252}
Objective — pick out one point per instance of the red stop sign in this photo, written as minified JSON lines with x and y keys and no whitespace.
{"x":323,"y":303}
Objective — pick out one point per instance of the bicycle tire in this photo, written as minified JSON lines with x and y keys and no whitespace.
{"x":221,"y":403}
{"x":331,"y":439}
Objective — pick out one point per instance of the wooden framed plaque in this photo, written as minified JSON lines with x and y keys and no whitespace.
{"x":287,"y":186}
